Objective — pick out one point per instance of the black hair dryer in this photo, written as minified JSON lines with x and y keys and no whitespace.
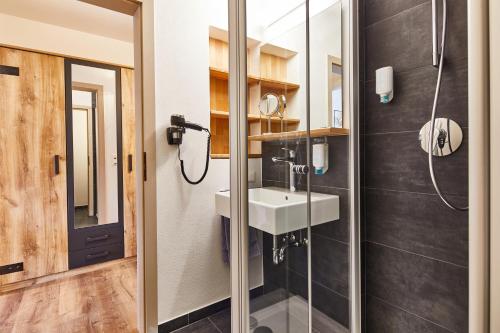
{"x":174,"y":137}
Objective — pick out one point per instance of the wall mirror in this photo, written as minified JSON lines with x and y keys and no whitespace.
{"x":94,"y":145}
{"x":288,"y":33}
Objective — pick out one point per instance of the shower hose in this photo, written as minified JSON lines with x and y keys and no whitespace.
{"x":433,"y":117}
{"x":207,"y":161}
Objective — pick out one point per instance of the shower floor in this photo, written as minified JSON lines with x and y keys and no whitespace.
{"x":291,"y":316}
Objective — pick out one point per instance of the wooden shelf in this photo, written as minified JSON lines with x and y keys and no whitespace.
{"x":254,"y":117}
{"x":281,"y":85}
{"x":225,"y":156}
{"x":222,"y":74}
{"x":299,"y":134}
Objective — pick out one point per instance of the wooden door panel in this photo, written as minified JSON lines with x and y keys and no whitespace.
{"x":33,"y":223}
{"x":128,"y":134}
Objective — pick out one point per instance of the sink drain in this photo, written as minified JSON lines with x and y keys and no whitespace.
{"x":263,"y":329}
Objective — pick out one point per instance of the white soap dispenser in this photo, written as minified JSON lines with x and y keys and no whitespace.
{"x":320,"y":158}
{"x":385,"y":84}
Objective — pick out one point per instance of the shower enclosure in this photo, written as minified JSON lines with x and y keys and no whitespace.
{"x":293,"y":104}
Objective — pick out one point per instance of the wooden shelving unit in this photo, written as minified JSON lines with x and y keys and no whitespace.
{"x":268,"y":72}
{"x":221,"y":74}
{"x":252,"y":79}
{"x":278,"y":85}
{"x":299,"y":134}
{"x":253,"y":117}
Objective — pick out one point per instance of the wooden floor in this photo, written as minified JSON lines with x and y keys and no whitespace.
{"x":99,"y":301}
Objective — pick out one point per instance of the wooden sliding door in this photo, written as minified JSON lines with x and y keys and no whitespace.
{"x":33,"y":224}
{"x":128,"y":124}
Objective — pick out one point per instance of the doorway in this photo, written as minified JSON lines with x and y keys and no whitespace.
{"x":92,"y":205}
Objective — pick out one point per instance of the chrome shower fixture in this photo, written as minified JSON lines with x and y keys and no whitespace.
{"x":443,"y":135}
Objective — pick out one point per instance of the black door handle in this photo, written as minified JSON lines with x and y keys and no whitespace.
{"x":129,"y":159}
{"x":97,"y":255}
{"x":56,"y":164}
{"x":98,"y":238}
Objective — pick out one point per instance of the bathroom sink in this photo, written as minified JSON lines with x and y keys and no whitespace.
{"x":277,"y":210}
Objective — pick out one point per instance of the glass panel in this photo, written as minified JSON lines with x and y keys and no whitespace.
{"x":95,"y":160}
{"x":277,"y":167}
{"x":330,"y":171}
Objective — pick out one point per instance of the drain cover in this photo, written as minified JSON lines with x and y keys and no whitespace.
{"x":253,"y":322}
{"x":263,"y":329}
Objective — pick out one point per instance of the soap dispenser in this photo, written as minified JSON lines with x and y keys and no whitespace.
{"x":385,"y":84}
{"x":320,"y":157}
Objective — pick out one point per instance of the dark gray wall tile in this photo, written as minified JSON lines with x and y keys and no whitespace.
{"x":338,"y":230}
{"x":330,"y":263}
{"x":414,"y":94}
{"x":377,"y":10}
{"x":456,"y":34}
{"x":338,"y":155}
{"x":202,"y":326}
{"x":325,"y":300}
{"x":431,"y":289}
{"x":395,"y":161}
{"x":419,"y":223}
{"x":402,"y":41}
{"x":385,"y":318}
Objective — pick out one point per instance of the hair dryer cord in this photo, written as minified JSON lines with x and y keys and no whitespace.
{"x":206,"y":162}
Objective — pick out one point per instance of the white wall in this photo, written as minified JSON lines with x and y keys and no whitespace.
{"x":80,"y":161}
{"x":84,"y":99}
{"x":24,"y":33}
{"x":191,"y":273}
{"x":325,"y":39}
{"x":106,"y":78}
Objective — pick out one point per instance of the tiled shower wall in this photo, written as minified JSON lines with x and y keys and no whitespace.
{"x":330,"y":241}
{"x":415,"y":248}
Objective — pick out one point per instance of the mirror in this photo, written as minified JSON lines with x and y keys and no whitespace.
{"x":285,"y":37}
{"x":269,"y":104}
{"x":95,"y":146}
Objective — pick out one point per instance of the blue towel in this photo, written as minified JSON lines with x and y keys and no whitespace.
{"x":253,"y":242}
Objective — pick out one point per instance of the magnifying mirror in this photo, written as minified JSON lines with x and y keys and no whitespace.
{"x":269,"y":105}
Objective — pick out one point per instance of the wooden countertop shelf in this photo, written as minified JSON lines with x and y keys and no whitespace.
{"x":224,"y":75}
{"x":275,"y":84}
{"x":254,"y":117}
{"x":224,"y":156}
{"x":299,"y":134}
{"x":266,"y":82}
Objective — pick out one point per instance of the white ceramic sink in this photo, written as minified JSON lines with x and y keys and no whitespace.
{"x":277,"y":210}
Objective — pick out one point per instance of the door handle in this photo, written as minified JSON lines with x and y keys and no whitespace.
{"x":97,"y":255}
{"x":98,"y":238}
{"x":56,"y":164}
{"x":129,"y":160}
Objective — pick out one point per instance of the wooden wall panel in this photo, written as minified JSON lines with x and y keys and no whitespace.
{"x":273,"y":67}
{"x":219,"y":95}
{"x":33,"y":222}
{"x":128,"y":133}
{"x":219,"y":54}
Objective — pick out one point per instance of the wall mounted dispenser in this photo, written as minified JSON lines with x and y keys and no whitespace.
{"x":320,"y":157}
{"x":385,"y":84}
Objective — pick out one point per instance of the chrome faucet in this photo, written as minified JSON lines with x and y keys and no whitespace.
{"x":290,"y":159}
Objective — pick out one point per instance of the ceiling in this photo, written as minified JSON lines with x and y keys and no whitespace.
{"x":73,"y":14}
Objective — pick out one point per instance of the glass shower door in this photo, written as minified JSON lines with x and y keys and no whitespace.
{"x":292,"y":168}
{"x":278,"y":167}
